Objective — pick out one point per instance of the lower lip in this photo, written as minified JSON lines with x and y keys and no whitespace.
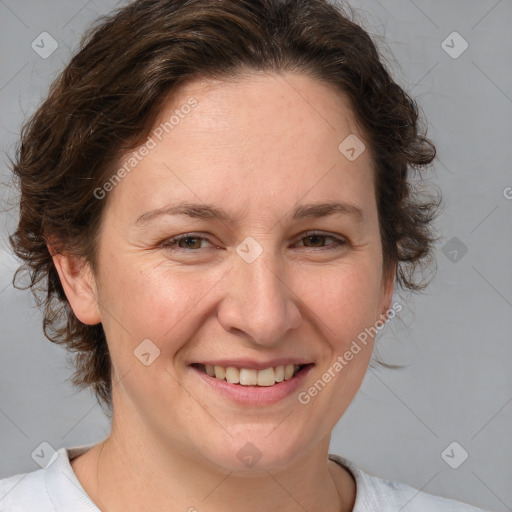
{"x":255,"y":395}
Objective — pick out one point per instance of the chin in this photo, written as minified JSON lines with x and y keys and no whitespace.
{"x":254,"y":451}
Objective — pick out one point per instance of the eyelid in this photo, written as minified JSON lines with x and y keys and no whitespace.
{"x":313,"y":232}
{"x":175,"y":239}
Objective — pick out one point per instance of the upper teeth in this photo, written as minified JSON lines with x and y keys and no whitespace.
{"x":251,"y":377}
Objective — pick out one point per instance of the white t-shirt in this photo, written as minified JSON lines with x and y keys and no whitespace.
{"x":57,"y":489}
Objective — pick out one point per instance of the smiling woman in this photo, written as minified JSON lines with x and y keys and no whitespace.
{"x":201,"y":287}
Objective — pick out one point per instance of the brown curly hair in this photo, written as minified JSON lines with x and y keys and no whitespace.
{"x":106,"y":100}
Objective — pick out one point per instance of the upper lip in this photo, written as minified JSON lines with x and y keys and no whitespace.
{"x":253,"y":364}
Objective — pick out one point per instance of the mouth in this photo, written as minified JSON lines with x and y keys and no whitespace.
{"x":252,"y":377}
{"x":250,"y":386}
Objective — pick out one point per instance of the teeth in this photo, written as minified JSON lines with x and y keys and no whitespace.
{"x":288,"y":371}
{"x":248,"y":377}
{"x":267,"y":377}
{"x":232,"y":375}
{"x":220,"y":373}
{"x":251,"y":377}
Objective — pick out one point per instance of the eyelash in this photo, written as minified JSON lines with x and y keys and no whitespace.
{"x":170,"y":244}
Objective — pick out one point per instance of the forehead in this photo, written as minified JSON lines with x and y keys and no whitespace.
{"x":260,"y":105}
{"x":273,"y":136}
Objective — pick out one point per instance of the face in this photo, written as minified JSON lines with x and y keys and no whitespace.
{"x":270,"y":281}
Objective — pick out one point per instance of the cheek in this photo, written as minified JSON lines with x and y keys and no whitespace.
{"x":164,"y":297}
{"x":159,"y":302}
{"x":346,"y":299}
{"x":156,"y":304}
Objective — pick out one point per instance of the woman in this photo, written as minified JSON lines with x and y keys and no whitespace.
{"x":217,"y":194}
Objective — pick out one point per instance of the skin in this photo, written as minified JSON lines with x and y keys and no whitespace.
{"x":256,"y":148}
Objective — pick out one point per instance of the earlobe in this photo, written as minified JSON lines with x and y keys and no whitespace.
{"x":79,"y":284}
{"x":389,"y":288}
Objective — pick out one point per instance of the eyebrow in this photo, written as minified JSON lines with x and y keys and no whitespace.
{"x":208,"y":211}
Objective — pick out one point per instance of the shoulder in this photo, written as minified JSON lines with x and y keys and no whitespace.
{"x":50,"y":489}
{"x":377,"y":494}
{"x":24,"y":492}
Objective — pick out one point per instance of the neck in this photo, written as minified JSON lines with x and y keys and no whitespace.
{"x":133,"y":472}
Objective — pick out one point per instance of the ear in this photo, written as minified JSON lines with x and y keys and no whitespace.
{"x":79,"y":284}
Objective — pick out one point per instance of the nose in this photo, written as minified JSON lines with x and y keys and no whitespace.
{"x":259,"y":304}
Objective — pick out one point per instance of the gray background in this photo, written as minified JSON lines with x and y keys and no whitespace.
{"x":455,"y":337}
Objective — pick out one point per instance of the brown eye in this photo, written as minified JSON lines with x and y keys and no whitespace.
{"x":317,"y":241}
{"x":188,"y":242}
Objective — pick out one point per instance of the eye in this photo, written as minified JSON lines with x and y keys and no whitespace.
{"x":317,"y":239}
{"x":187,"y":242}
{"x":191,"y":242}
